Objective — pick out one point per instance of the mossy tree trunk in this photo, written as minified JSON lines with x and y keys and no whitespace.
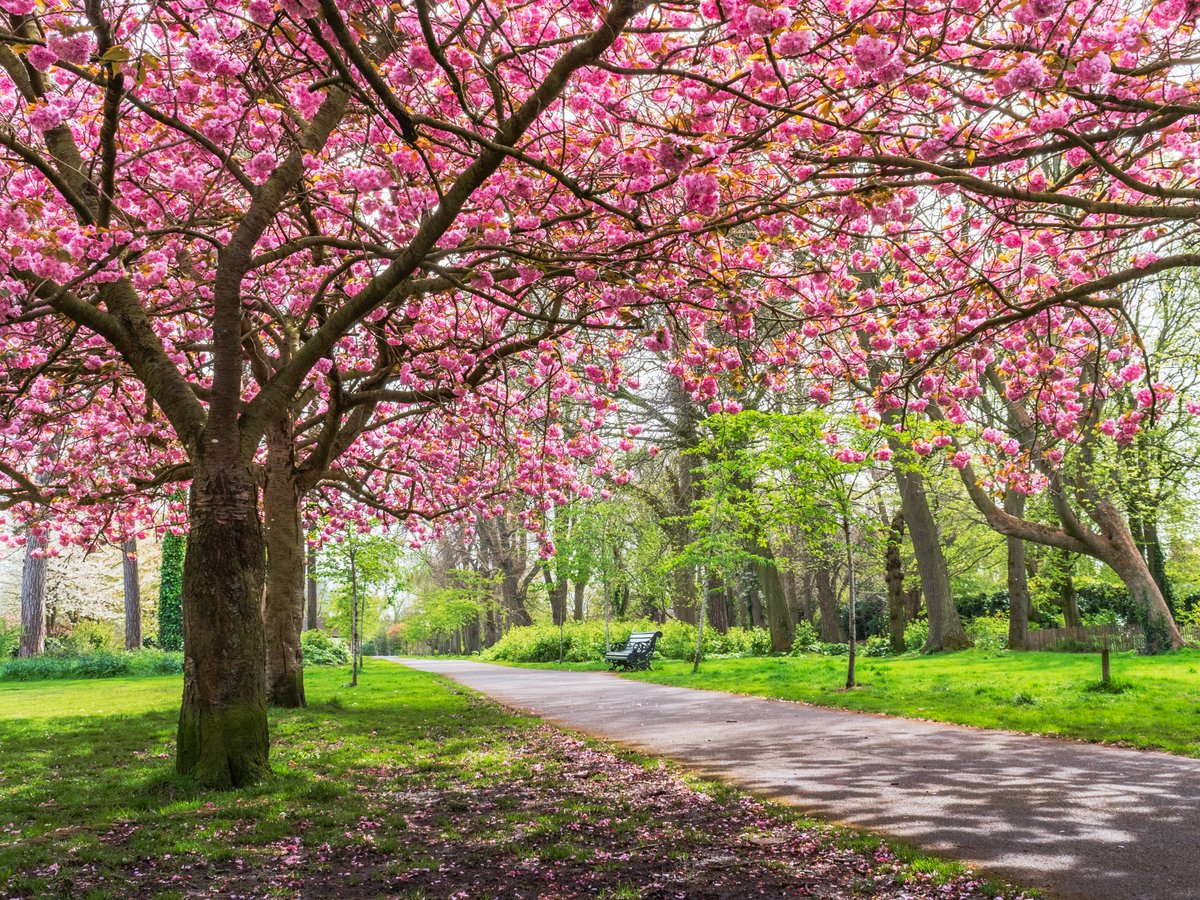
{"x":1019,"y":602}
{"x":283,"y":607}
{"x":222,"y":739}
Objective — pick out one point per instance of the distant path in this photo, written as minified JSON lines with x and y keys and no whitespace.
{"x":1077,"y":820}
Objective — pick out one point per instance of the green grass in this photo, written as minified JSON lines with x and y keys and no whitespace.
{"x":377,"y":790}
{"x":1155,"y":702}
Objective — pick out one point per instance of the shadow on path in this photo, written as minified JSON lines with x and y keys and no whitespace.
{"x":1078,"y":820}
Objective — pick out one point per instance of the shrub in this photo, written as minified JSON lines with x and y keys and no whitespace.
{"x":170,"y":592}
{"x":101,"y":664}
{"x":584,"y":641}
{"x":807,"y":639}
{"x":322,"y":649}
{"x":877,"y":645}
{"x":989,"y":632}
{"x":10,"y":639}
{"x":916,"y":634}
{"x":833,"y":649}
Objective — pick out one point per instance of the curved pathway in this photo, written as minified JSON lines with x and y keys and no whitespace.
{"x":1077,"y":820}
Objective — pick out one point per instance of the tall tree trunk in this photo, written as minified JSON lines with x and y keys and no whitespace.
{"x":579,"y":588}
{"x":33,"y":597}
{"x":283,"y":606}
{"x":945,"y":626}
{"x":779,"y":618}
{"x":133,"y":594}
{"x":1064,"y":584}
{"x":756,"y":610}
{"x":1019,"y":602}
{"x":684,"y":595}
{"x":831,"y":618}
{"x":718,"y":606}
{"x":312,"y":619}
{"x":222,"y":739}
{"x":893,"y":576}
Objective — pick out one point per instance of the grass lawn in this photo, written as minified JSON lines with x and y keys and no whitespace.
{"x":1158,"y":704}
{"x":407,"y":786}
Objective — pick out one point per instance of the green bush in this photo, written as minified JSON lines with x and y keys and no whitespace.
{"x":101,"y":664}
{"x":170,"y":593}
{"x":833,"y":649}
{"x":319,"y":648}
{"x":877,"y":645}
{"x":584,"y":641}
{"x":916,"y":634}
{"x":989,"y":632}
{"x":10,"y":639}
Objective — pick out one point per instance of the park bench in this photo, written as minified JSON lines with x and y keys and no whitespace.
{"x":634,"y":654}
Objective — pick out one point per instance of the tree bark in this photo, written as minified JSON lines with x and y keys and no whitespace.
{"x":283,"y":605}
{"x":684,"y":595}
{"x":718,"y":605}
{"x":1018,"y":580}
{"x":945,"y":627}
{"x":893,"y":576}
{"x":779,"y":618}
{"x":133,"y":594}
{"x":222,"y":739}
{"x":579,"y":588}
{"x":312,"y":618}
{"x":827,"y":601}
{"x":33,"y":597}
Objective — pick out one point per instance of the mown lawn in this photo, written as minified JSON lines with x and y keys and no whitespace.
{"x":407,"y":786}
{"x":1157,"y":705}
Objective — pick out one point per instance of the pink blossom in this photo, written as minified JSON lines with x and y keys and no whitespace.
{"x":870,"y":52}
{"x":41,"y":58}
{"x":261,"y":165}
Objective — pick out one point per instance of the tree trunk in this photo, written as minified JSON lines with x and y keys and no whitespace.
{"x":718,"y":606}
{"x":579,"y":588}
{"x":283,"y":606}
{"x":312,"y":620}
{"x":133,"y":594}
{"x":831,"y":619}
{"x":1065,"y":585}
{"x":756,"y":611}
{"x":684,"y":599}
{"x":893,"y":577}
{"x":945,"y":627}
{"x":779,"y":618}
{"x":1018,"y":581}
{"x":222,"y":739}
{"x":33,"y":597}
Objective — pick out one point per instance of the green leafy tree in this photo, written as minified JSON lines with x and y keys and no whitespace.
{"x":170,"y":593}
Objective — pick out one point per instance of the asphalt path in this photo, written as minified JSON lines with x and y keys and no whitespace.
{"x":1076,"y":820}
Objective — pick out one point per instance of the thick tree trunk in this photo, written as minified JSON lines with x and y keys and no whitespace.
{"x":222,"y":740}
{"x":893,"y":576}
{"x":756,"y":610}
{"x":684,"y":595}
{"x":33,"y":597}
{"x":311,"y":619}
{"x":133,"y":594}
{"x":718,"y":605}
{"x":779,"y":617}
{"x":283,"y":605}
{"x":1018,"y":580}
{"x":831,"y":618}
{"x":945,"y":627}
{"x":557,"y":593}
{"x":578,"y":611}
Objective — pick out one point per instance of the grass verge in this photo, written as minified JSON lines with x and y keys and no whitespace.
{"x":407,"y":786}
{"x":1153,"y":703}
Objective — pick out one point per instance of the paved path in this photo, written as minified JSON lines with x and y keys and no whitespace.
{"x":1076,"y":820}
